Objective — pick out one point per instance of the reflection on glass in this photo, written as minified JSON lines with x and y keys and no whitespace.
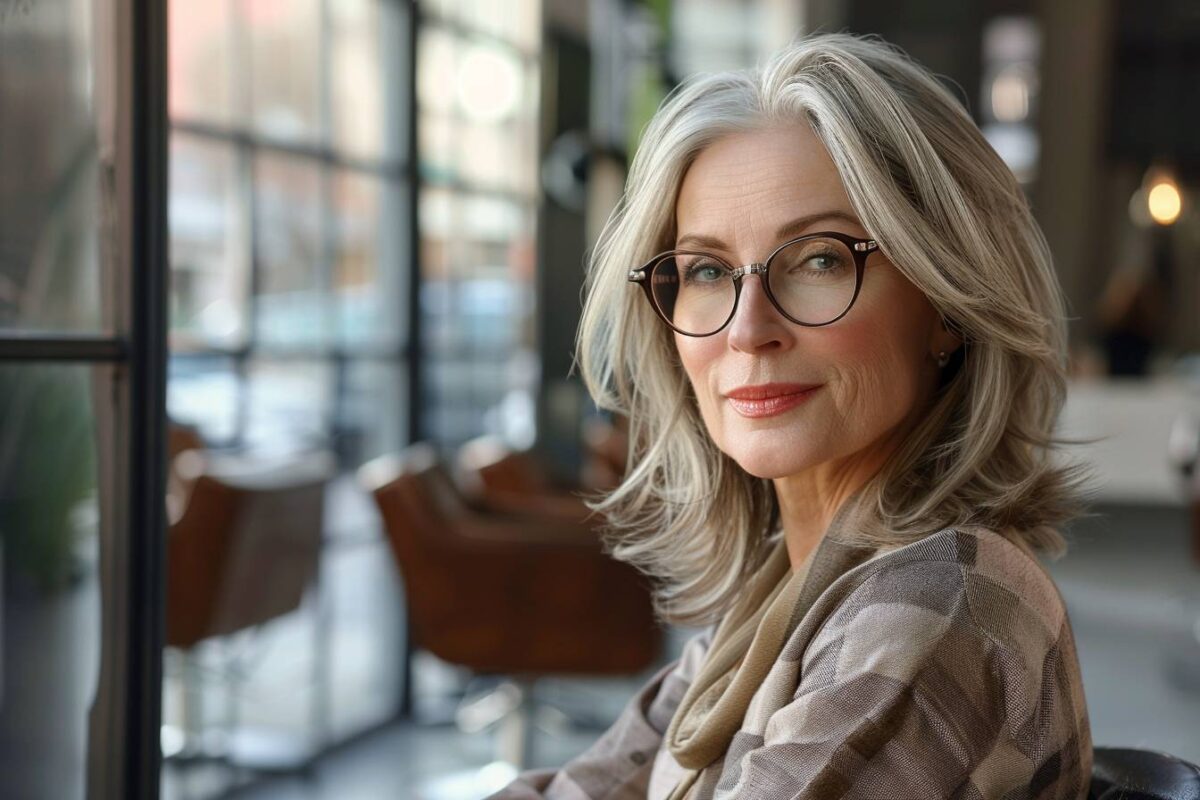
{"x":292,"y":304}
{"x":199,"y":61}
{"x":209,"y":280}
{"x":49,"y":209}
{"x":204,"y":392}
{"x":49,"y":586}
{"x":369,"y":286}
{"x":285,"y":68}
{"x":288,"y":405}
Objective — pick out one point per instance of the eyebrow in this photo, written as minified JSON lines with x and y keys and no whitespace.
{"x":795,"y":227}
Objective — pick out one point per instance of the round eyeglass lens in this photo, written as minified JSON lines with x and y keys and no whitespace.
{"x":695,"y":292}
{"x":813,"y":280}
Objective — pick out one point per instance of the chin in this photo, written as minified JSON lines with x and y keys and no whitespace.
{"x":775,"y":458}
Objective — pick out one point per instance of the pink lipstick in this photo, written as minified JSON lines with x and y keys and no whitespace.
{"x":769,"y":399}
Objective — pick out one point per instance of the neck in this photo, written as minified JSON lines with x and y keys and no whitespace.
{"x":810,"y":500}
{"x":806,"y":514}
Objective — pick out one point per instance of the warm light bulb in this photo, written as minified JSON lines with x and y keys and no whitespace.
{"x":1164,"y":202}
{"x":489,"y":85}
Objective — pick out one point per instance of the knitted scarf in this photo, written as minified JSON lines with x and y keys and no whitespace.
{"x":748,"y":641}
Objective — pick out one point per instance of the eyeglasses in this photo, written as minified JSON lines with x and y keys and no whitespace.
{"x":812,"y":281}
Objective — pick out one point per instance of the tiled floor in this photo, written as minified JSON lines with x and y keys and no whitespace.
{"x":1132,"y":592}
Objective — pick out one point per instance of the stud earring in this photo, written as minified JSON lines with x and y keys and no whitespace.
{"x":942,"y":358}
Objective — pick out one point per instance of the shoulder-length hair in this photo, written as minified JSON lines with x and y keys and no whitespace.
{"x":950,"y":215}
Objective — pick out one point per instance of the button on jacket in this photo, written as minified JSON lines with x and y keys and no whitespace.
{"x":945,"y":668}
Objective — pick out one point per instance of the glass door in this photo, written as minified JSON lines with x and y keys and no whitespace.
{"x":82,"y":215}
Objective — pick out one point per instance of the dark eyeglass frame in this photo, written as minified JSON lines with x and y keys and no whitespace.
{"x":859,"y":248}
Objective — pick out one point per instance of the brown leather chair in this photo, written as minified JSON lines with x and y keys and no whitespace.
{"x":496,"y":478}
{"x":241,"y":552}
{"x":508,"y":594}
{"x":245,"y":547}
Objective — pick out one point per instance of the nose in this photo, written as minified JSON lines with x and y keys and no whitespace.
{"x":757,"y":326}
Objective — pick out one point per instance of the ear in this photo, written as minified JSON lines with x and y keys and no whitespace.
{"x":944,"y":337}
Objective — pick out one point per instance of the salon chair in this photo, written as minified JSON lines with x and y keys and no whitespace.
{"x":1126,"y":774}
{"x":243,"y":548}
{"x":515,"y":595}
{"x":495,"y":478}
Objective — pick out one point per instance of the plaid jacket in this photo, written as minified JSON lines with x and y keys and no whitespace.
{"x":942,"y":669}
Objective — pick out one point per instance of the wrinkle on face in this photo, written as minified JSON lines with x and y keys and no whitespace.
{"x":875,"y":364}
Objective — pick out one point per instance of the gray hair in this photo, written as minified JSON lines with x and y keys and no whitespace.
{"x":949,"y":214}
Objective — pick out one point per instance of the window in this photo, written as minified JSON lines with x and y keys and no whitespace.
{"x":82,"y":172}
{"x":290,"y":222}
{"x":292,"y":241}
{"x":478,"y":80}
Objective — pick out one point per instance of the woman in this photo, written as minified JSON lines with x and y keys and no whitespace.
{"x":835,"y":329}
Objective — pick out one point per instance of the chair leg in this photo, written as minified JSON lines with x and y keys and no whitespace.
{"x":406,"y":669}
{"x":515,"y":734}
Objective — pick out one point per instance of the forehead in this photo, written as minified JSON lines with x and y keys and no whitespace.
{"x":747,"y":184}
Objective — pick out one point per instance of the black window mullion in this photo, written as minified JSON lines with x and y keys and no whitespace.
{"x":416,"y":358}
{"x":52,"y":347}
{"x":147,"y":406}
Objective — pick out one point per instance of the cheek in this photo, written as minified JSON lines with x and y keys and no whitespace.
{"x":699,"y":358}
{"x":881,"y":359}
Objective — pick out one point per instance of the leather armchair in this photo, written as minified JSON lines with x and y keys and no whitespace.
{"x":1126,"y":774}
{"x":508,"y":594}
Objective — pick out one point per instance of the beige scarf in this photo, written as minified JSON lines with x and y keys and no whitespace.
{"x":747,"y":644}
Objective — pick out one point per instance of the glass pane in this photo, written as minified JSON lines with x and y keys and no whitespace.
{"x":49,"y":582}
{"x":499,"y":156}
{"x":285,"y":68}
{"x":526,"y":28}
{"x":493,"y":219}
{"x":438,"y":211}
{"x":371,"y":254}
{"x":292,"y":305}
{"x":49,"y":191}
{"x":518,"y":22}
{"x":526,"y":168}
{"x":368,"y":78}
{"x":486,"y":155}
{"x":289,"y":405}
{"x":437,"y":134}
{"x":209,"y":280}
{"x":437,"y":59}
{"x":205,"y":392}
{"x":374,"y":410}
{"x":201,"y":57}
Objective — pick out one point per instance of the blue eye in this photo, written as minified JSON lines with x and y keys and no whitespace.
{"x":704,"y":272}
{"x":823,"y":262}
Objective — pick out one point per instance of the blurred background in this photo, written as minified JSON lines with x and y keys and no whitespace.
{"x":359,"y":253}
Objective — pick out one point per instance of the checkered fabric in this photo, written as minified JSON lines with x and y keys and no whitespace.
{"x":942,"y":669}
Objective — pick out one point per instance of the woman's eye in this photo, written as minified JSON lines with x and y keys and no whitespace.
{"x":705,"y":272}
{"x":822,"y":262}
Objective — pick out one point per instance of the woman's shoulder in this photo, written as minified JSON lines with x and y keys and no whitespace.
{"x":970,"y":572}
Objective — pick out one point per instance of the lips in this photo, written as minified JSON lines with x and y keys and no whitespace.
{"x":769,"y":399}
